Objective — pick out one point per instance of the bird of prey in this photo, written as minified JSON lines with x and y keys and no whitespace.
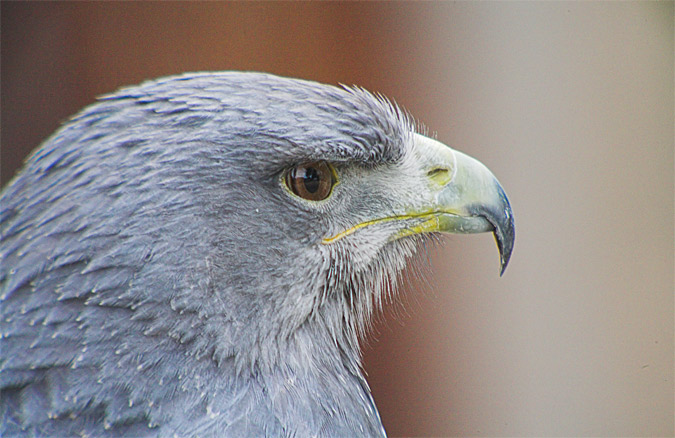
{"x":200,"y":255}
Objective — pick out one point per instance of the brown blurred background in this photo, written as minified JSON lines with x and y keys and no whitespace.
{"x":571,"y":106}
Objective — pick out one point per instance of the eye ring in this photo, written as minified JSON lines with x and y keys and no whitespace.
{"x":312,"y":181}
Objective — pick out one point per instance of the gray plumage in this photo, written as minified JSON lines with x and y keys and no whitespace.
{"x":156,"y":278}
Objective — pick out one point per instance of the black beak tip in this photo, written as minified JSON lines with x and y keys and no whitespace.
{"x":504,"y":229}
{"x":505,"y":246}
{"x":505,"y":235}
{"x":500,"y":216}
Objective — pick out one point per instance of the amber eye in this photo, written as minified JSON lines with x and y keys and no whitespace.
{"x":311,"y":181}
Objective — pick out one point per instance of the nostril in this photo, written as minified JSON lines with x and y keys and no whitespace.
{"x":439,"y":175}
{"x":437,"y":170}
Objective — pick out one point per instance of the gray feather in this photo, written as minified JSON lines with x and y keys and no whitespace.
{"x":155,"y":279}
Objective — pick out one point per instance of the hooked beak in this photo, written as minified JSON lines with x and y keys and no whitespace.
{"x":468,"y":198}
{"x":460,"y":195}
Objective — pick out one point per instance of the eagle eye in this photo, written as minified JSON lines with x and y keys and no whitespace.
{"x":311,"y":181}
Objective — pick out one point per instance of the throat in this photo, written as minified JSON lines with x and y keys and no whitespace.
{"x":316,"y":390}
{"x":319,"y":398}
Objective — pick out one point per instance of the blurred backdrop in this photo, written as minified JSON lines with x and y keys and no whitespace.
{"x":571,"y":106}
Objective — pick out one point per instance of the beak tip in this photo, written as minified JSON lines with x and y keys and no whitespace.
{"x":504,"y":264}
{"x":505,"y":237}
{"x":505,"y":231}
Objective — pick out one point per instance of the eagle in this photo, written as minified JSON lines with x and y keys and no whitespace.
{"x":200,"y":255}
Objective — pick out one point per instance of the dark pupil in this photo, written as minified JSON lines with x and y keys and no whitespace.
{"x":311,"y":180}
